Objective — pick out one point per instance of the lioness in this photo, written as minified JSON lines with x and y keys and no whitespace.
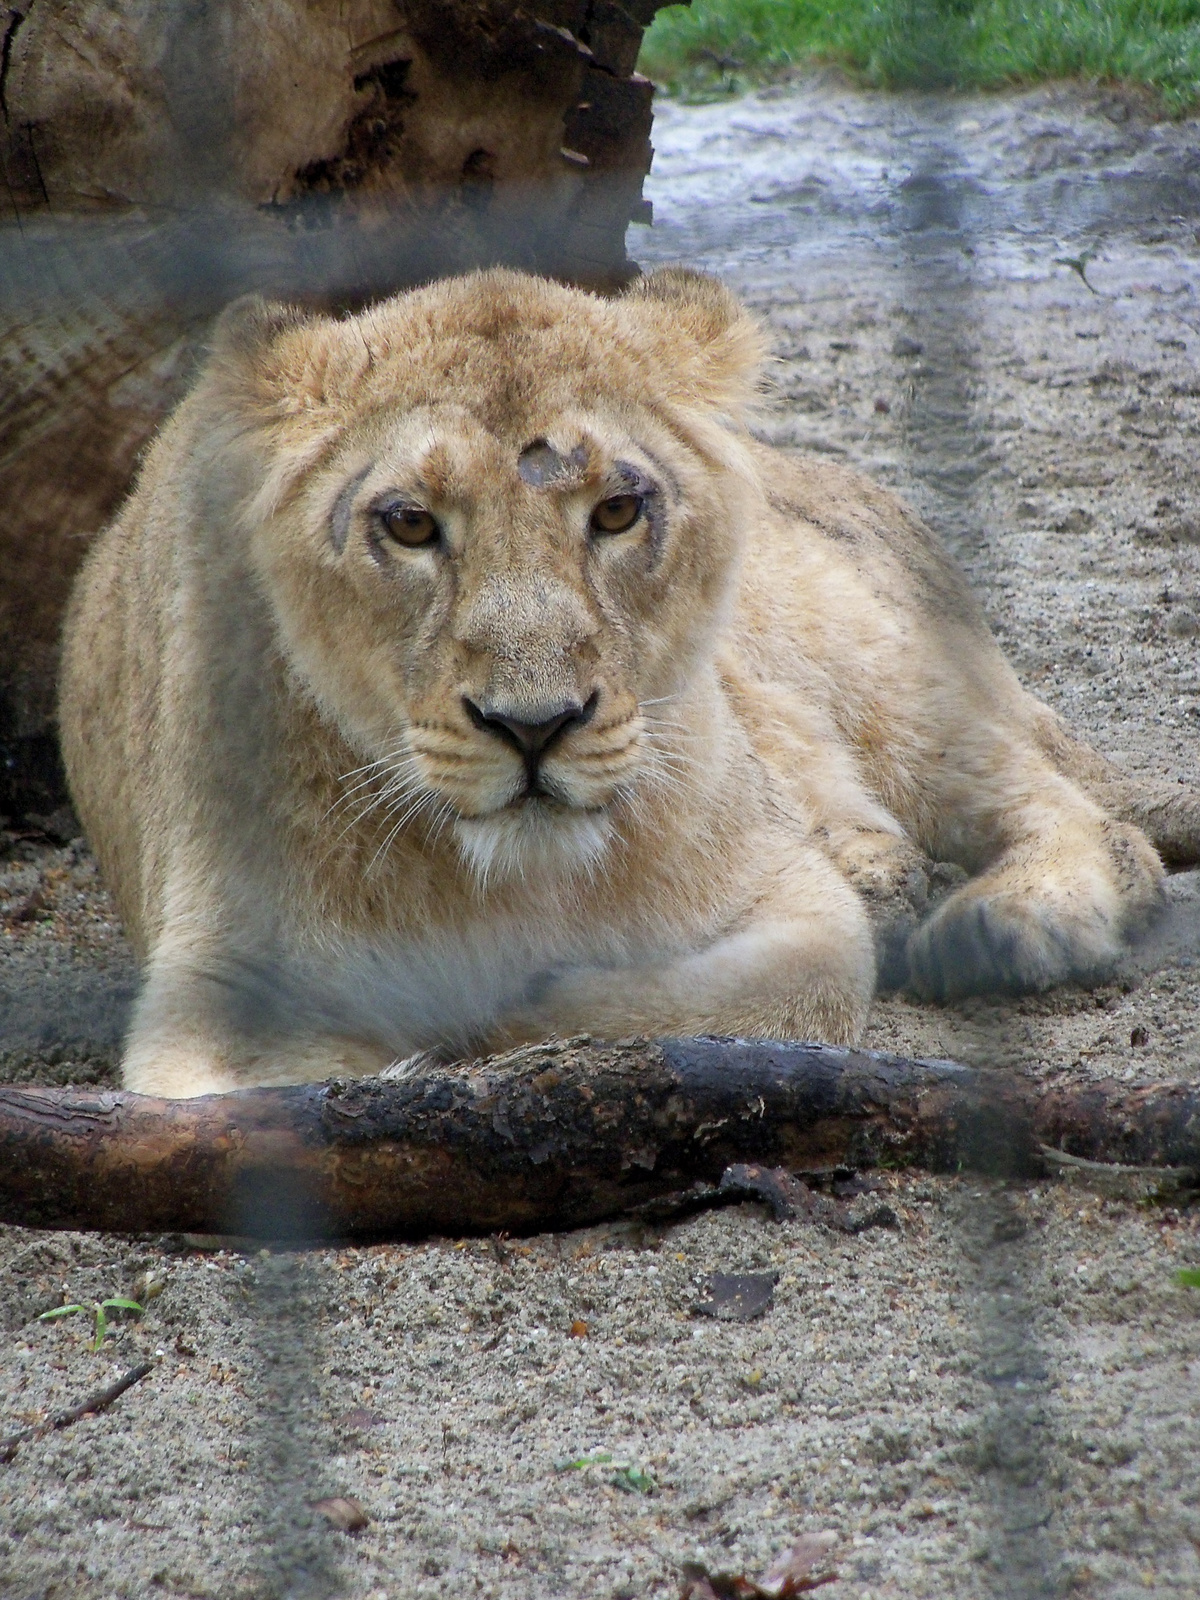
{"x":462,"y":673}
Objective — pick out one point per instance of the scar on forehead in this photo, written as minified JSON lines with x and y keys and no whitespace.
{"x":541,"y":465}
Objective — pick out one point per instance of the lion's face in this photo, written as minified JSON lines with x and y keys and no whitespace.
{"x":511,"y":554}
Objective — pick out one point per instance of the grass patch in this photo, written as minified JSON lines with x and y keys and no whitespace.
{"x":722,"y":46}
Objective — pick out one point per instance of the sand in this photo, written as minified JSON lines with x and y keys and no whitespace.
{"x":992,"y":304}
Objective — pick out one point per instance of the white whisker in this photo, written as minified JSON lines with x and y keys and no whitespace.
{"x":391,"y":785}
{"x":372,"y":770}
{"x":408,"y":813}
{"x":385,"y":799}
{"x":676,"y":730}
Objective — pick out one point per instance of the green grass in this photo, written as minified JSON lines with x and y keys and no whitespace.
{"x":721,"y":46}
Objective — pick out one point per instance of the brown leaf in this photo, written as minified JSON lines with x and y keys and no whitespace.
{"x":701,"y":1585}
{"x":578,"y":1329}
{"x":697,"y":1585}
{"x":791,"y":1575}
{"x":342,"y":1512}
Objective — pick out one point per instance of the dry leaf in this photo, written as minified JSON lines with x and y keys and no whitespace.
{"x":790,"y":1576}
{"x":698,"y":1586}
{"x":342,"y":1512}
{"x":579,"y":1329}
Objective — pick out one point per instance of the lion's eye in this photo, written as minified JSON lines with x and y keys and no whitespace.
{"x":618,"y":514}
{"x":409,"y":525}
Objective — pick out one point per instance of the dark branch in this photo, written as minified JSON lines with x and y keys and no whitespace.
{"x":552,"y":1136}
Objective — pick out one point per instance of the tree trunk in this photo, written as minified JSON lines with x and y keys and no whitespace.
{"x":551,"y":1136}
{"x":161,"y":159}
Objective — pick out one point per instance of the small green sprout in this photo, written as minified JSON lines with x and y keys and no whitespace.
{"x":1078,"y":264}
{"x":634,"y":1480}
{"x":598,"y":1458}
{"x":625,"y":1475}
{"x":98,"y":1309}
{"x":1188,"y":1277}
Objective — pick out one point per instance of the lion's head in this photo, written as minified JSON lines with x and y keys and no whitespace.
{"x":497,"y":523}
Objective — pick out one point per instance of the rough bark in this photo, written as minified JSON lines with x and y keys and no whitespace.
{"x":159,"y":160}
{"x":552,"y":1136}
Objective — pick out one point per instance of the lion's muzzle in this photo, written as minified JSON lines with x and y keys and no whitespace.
{"x":531,"y":732}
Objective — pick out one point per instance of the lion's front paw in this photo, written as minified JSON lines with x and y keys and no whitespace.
{"x":898,"y":885}
{"x":888,"y":872}
{"x":1005,"y":944}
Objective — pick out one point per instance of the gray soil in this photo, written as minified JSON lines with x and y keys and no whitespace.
{"x":994,"y":305}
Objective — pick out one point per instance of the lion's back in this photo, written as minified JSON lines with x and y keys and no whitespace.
{"x":856,"y":634}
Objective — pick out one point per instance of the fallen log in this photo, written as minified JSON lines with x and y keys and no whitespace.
{"x":551,"y":1136}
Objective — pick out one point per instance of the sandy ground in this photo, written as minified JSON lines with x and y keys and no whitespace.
{"x":992,"y":304}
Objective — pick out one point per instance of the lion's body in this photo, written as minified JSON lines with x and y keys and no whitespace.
{"x":291,"y":738}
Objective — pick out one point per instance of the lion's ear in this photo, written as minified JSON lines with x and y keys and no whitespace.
{"x":250,"y":324}
{"x":700,"y":334}
{"x":244,"y":354}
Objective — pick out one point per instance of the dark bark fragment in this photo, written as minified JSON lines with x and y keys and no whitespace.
{"x":611,"y":124}
{"x":613,"y":37}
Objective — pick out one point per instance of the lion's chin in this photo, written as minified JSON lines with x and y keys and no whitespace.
{"x":533,"y":840}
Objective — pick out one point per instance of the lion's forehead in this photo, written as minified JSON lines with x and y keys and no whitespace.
{"x":367,"y":361}
{"x":544,"y":332}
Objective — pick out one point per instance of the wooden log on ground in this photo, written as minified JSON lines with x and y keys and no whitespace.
{"x":551,"y":1136}
{"x":158,"y":161}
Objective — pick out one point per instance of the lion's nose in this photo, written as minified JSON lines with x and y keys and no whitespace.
{"x":532,"y":739}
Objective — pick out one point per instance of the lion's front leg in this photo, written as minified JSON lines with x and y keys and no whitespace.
{"x":899,"y":885}
{"x":208,"y":1026}
{"x":800,"y":966}
{"x":1061,"y":900}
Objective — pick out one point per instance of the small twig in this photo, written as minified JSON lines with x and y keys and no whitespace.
{"x":64,"y":1419}
{"x":1079,"y":264}
{"x":1119,"y":1178}
{"x":1111,"y":1169}
{"x":722,"y":63}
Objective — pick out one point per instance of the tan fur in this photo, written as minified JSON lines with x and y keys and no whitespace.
{"x":791,"y":703}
